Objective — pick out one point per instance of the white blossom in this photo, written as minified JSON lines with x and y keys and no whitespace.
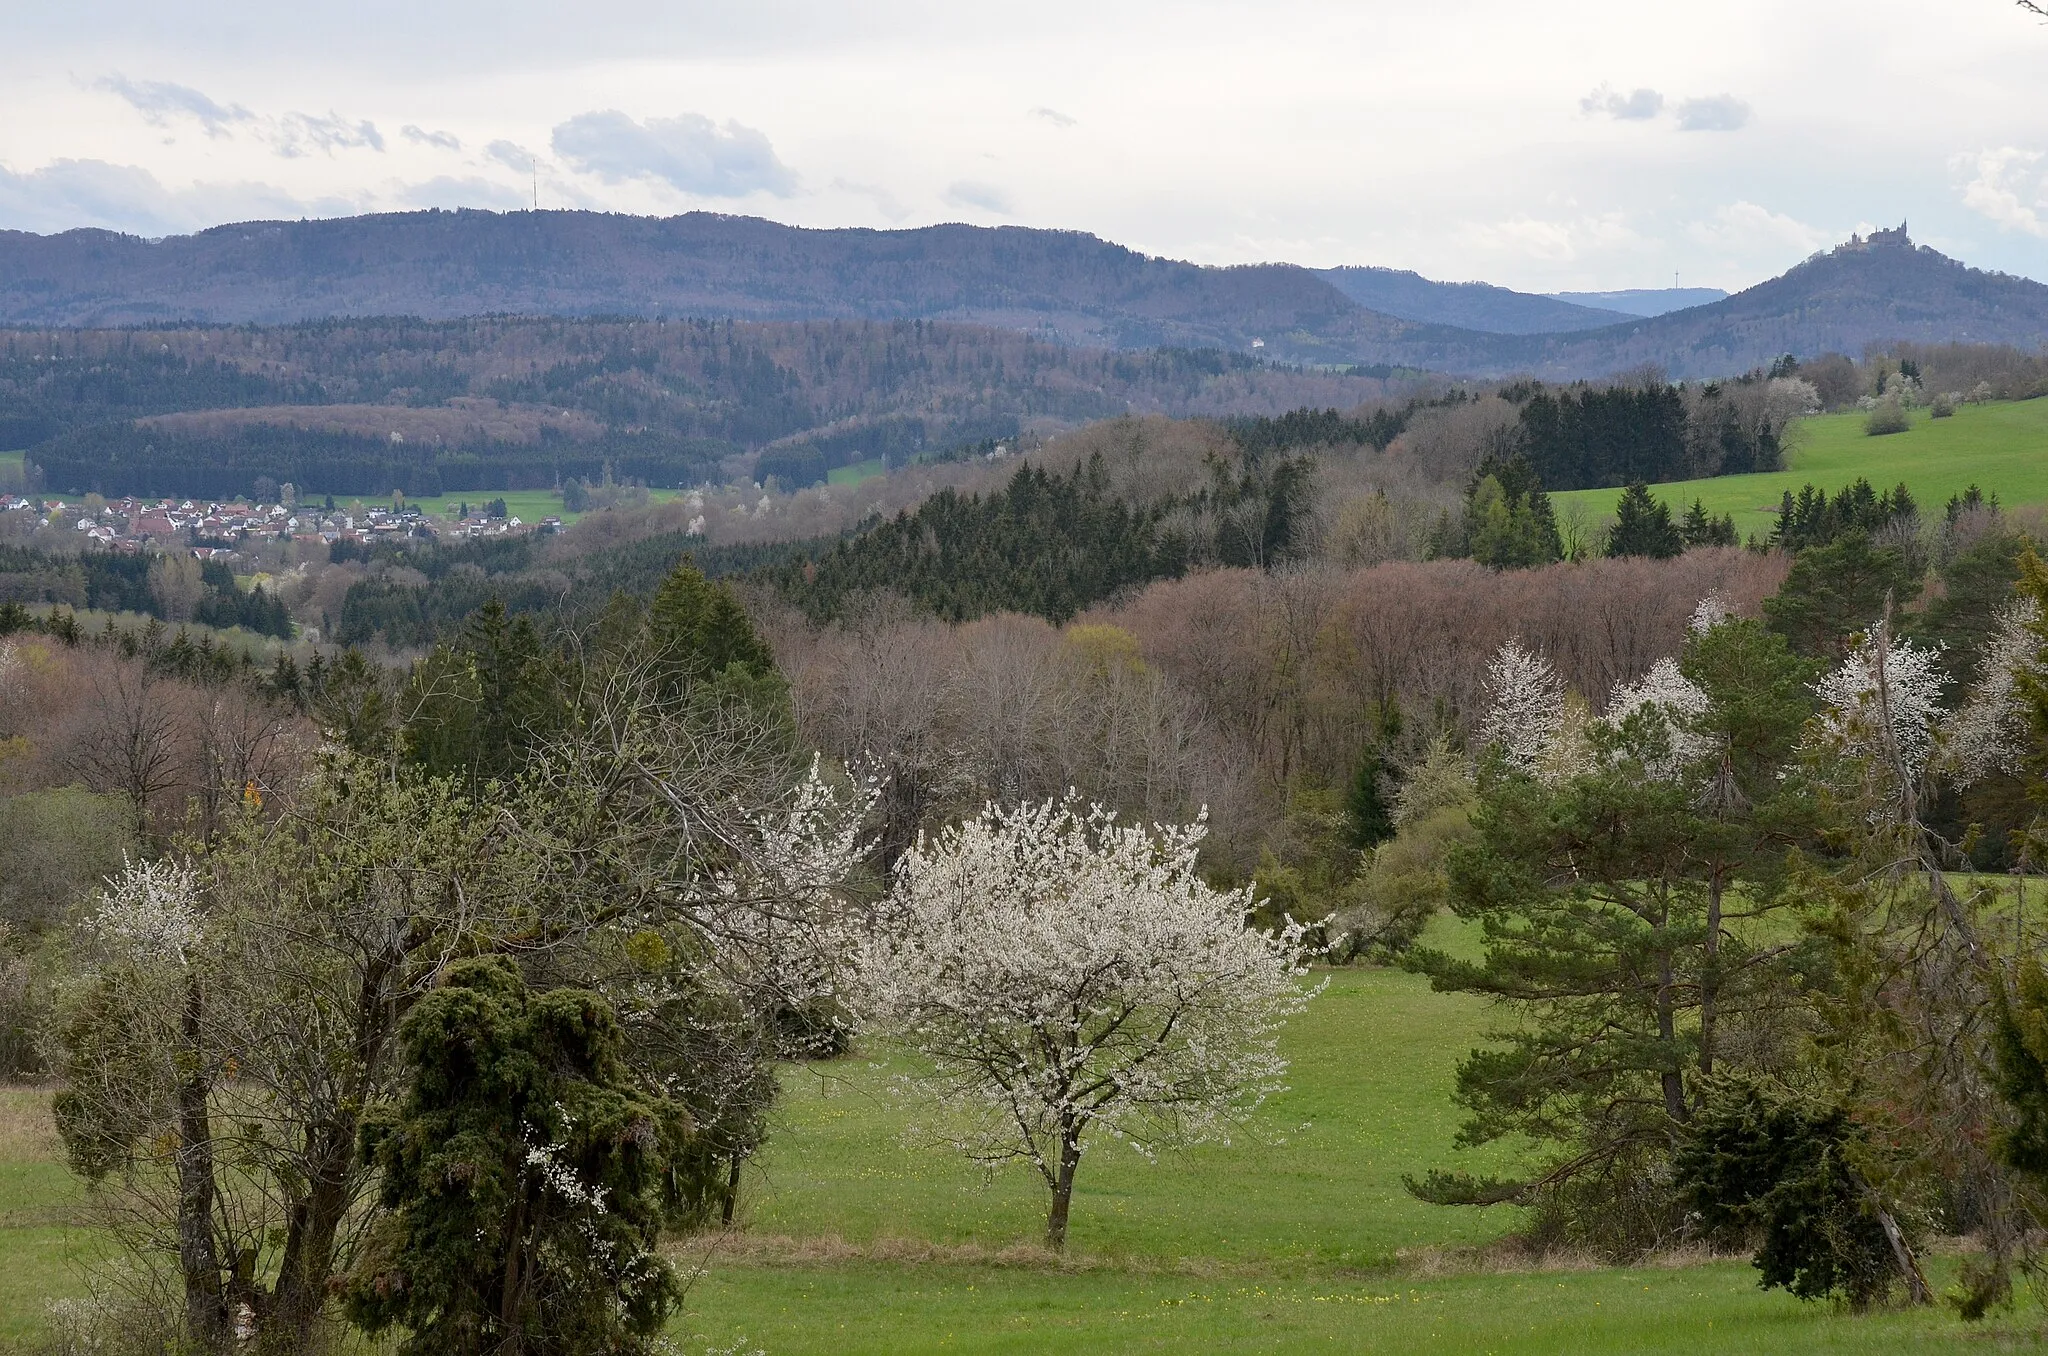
{"x":1889,"y":725}
{"x":1526,"y":711}
{"x":1674,"y":702}
{"x":1066,"y":973}
{"x":777,"y":919}
{"x":1988,"y":732}
{"x":547,"y":1164}
{"x":1712,"y":611}
{"x":150,"y":911}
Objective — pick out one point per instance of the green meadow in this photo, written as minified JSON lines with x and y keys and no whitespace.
{"x":527,"y":505}
{"x":860,"y":1236}
{"x":857,"y":1236}
{"x":855,"y":474}
{"x":2001,"y":446}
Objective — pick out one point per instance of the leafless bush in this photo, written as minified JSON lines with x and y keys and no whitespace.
{"x":1447,"y":443}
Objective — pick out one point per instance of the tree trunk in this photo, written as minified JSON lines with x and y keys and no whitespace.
{"x":1710,"y":973}
{"x":1063,"y":1189}
{"x":511,"y":1293}
{"x":1667,"y":1032}
{"x":206,"y":1310}
{"x":732,"y":1191}
{"x":1902,"y":1252}
{"x":314,"y":1222}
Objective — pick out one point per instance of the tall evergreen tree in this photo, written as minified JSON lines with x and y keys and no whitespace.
{"x":1835,"y":590}
{"x":1643,"y":526}
{"x":1619,"y":901}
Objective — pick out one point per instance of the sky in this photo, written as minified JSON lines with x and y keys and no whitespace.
{"x":1582,"y":144}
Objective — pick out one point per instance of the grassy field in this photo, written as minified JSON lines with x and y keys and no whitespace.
{"x":527,"y":505}
{"x":40,"y":1242}
{"x":1298,"y":1237}
{"x":855,"y":474}
{"x":2001,"y":447}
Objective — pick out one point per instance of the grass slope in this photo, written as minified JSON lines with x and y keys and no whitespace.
{"x":1296,"y":1238}
{"x":1316,"y":1182}
{"x":529,"y":506}
{"x":852,"y":1309}
{"x":855,"y":474}
{"x":1299,"y":1237}
{"x":39,"y":1242}
{"x":2000,"y":447}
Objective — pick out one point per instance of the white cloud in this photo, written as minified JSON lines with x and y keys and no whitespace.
{"x":689,"y":153}
{"x":1550,"y":241}
{"x":440,"y":141}
{"x":72,"y":193}
{"x":885,"y":202}
{"x":1745,"y":229}
{"x":2008,"y":189}
{"x":1637,"y":106}
{"x":984,"y":197}
{"x":297,"y":134}
{"x":159,"y":101}
{"x":1715,"y":113}
{"x":1053,"y":116}
{"x":512,"y":155}
{"x":448,"y":191}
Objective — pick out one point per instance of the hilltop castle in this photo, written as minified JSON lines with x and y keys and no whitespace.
{"x":1879,"y":240}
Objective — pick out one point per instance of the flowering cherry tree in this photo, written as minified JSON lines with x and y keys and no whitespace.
{"x":1879,"y":713}
{"x":1988,"y":732}
{"x":1526,"y":709}
{"x":1666,"y":705}
{"x":1067,"y":975}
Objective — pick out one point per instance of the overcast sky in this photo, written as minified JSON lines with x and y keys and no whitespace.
{"x":1580,"y":144}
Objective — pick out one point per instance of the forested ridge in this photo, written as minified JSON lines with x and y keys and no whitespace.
{"x":364,"y":407}
{"x":1063,"y":283}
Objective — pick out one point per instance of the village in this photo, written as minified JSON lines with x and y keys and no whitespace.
{"x":210,"y":529}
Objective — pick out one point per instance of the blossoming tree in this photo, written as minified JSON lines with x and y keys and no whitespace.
{"x":1069,"y":976}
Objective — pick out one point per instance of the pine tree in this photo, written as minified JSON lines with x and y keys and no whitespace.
{"x":1368,"y":819}
{"x":1617,"y":902}
{"x":1701,"y":528}
{"x":1838,"y":589}
{"x":1643,"y":527}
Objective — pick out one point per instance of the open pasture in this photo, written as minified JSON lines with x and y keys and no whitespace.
{"x":1297,"y":1237}
{"x":2000,"y":447}
{"x":527,"y":505}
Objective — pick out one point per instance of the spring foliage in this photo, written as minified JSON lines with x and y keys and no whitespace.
{"x":1067,"y":975}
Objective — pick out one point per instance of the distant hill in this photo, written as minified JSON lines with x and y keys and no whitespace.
{"x":1643,"y":300}
{"x":1063,"y":286}
{"x":1860,"y":293}
{"x":1470,"y":305}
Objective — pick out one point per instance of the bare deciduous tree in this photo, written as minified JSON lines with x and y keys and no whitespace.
{"x":133,"y":742}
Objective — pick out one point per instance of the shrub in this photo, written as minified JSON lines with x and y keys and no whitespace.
{"x":1763,"y":1163}
{"x":24,"y":1009}
{"x":1887,"y":418}
{"x":1943,"y":406}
